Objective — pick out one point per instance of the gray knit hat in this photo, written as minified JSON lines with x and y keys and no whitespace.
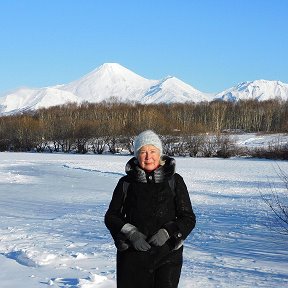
{"x":147,"y":137}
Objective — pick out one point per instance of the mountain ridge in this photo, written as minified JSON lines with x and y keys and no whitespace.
{"x":258,"y":89}
{"x":114,"y":81}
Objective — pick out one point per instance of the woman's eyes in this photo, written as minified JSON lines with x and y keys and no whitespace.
{"x":150,"y":151}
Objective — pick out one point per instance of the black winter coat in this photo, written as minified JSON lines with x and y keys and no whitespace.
{"x":150,"y":203}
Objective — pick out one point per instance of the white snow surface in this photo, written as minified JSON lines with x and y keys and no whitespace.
{"x":52,"y":231}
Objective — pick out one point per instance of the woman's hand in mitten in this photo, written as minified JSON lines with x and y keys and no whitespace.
{"x":159,"y":238}
{"x":138,"y":241}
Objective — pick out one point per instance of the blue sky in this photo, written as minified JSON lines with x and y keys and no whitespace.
{"x":209,"y":44}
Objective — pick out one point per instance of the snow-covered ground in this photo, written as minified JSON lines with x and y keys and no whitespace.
{"x":252,"y":140}
{"x":52,"y":231}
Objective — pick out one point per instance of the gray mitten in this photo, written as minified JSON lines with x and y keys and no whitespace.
{"x":159,"y":238}
{"x":137,"y":239}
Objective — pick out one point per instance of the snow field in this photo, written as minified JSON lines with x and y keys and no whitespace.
{"x":52,"y":231}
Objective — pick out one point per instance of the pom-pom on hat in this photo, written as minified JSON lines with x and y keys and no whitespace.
{"x":147,"y":137}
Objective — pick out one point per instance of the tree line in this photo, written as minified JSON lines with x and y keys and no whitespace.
{"x":94,"y":126}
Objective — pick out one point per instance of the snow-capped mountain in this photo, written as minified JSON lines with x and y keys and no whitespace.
{"x":258,"y":90}
{"x":110,"y":80}
{"x":113,"y":81}
{"x":30,"y":99}
{"x":171,"y":89}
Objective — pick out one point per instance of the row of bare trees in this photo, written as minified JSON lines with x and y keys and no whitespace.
{"x":78,"y":128}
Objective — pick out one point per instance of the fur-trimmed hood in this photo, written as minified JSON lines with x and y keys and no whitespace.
{"x":164,"y":172}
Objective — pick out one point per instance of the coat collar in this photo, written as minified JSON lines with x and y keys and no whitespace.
{"x":162,"y":173}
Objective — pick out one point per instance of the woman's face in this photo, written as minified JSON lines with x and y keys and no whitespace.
{"x":149,"y":157}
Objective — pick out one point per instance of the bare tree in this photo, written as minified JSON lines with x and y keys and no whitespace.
{"x":194,"y":144}
{"x":226,"y":146}
{"x":278,"y":204}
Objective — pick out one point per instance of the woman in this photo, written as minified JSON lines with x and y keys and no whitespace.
{"x":149,"y":216}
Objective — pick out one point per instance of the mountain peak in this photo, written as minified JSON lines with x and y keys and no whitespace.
{"x":106,"y":81}
{"x":255,"y":90}
{"x":111,"y":67}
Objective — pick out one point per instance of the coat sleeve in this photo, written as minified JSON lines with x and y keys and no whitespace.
{"x":185,"y":218}
{"x":114,"y":218}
